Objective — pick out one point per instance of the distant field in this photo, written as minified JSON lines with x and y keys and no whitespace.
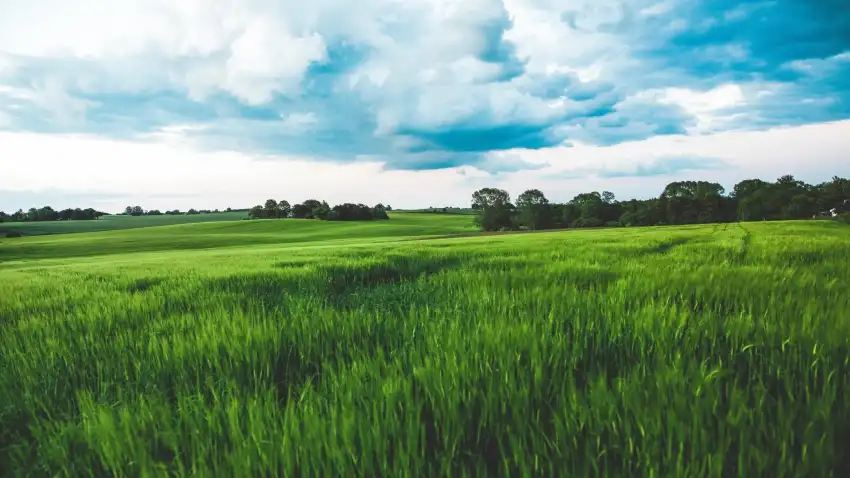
{"x":111,"y":223}
{"x":208,"y":235}
{"x":306,"y":348}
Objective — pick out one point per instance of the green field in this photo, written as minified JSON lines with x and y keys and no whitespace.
{"x":220,"y":234}
{"x":305,"y":348}
{"x":111,"y":223}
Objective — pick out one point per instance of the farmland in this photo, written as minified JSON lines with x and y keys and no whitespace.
{"x":295,"y":347}
{"x":112,"y":223}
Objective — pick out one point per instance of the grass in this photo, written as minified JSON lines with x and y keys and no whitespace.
{"x":228,"y":234}
{"x":692,"y":351}
{"x":113,"y":223}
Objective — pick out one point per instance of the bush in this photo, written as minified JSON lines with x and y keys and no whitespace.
{"x":844,"y":218}
{"x":13,"y":234}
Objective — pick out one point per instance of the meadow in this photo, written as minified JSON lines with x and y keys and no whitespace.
{"x":304,"y":348}
{"x":112,"y":223}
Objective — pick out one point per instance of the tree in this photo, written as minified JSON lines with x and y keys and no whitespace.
{"x":570,"y":213}
{"x":271,"y":208}
{"x":747,"y":188}
{"x":311,"y":209}
{"x":534,"y":210}
{"x":302,"y":211}
{"x":283,"y":209}
{"x":257,"y":212}
{"x":801,"y":206}
{"x":590,"y":208}
{"x":323,"y":210}
{"x":379,"y":212}
{"x":494,"y":210}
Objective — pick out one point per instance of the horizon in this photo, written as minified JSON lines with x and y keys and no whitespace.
{"x":513,"y":195}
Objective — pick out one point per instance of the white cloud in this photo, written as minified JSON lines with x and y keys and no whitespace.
{"x":424,"y":70}
{"x":170,"y":175}
{"x":707,"y":107}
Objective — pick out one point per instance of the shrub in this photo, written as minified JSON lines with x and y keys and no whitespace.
{"x":12,"y":234}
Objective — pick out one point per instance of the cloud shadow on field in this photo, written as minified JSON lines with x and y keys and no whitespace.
{"x":142,"y":285}
{"x":344,"y":280}
{"x":666,"y":246}
{"x":332,"y":283}
{"x":294,"y":264}
{"x":589,"y":278}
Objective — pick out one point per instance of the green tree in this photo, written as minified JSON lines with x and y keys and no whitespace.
{"x":494,"y":209}
{"x":591,"y":209}
{"x":323,"y":210}
{"x":302,"y":211}
{"x":283,"y":209}
{"x":379,"y":212}
{"x":257,"y":212}
{"x":271,"y":208}
{"x":534,"y":210}
{"x":801,"y":206}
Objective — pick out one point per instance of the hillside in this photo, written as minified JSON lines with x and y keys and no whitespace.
{"x":219,"y":234}
{"x":113,"y":223}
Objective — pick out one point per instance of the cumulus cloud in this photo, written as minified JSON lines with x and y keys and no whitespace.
{"x":419,"y":85}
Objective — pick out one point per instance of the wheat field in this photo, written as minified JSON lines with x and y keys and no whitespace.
{"x":282,"y":348}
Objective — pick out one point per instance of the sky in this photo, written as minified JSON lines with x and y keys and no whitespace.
{"x":225,"y":103}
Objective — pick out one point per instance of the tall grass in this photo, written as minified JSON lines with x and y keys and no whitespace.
{"x":694,"y":351}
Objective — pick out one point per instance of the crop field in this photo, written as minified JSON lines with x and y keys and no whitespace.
{"x":220,"y":234}
{"x":111,"y":223}
{"x":287,"y":348}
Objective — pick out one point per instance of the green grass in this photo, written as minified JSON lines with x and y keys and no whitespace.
{"x":228,"y":234}
{"x":112,"y":223}
{"x":692,"y":351}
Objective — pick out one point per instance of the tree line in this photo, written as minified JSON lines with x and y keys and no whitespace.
{"x":139,"y":211}
{"x":681,"y":202}
{"x":315,"y":209}
{"x":47,"y":213}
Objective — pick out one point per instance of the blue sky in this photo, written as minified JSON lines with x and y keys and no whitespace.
{"x":220,"y":103}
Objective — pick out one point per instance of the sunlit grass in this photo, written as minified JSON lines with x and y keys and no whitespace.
{"x":693,"y":351}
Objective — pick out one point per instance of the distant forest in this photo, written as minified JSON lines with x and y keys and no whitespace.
{"x":315,"y":209}
{"x":47,"y":213}
{"x":681,"y":202}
